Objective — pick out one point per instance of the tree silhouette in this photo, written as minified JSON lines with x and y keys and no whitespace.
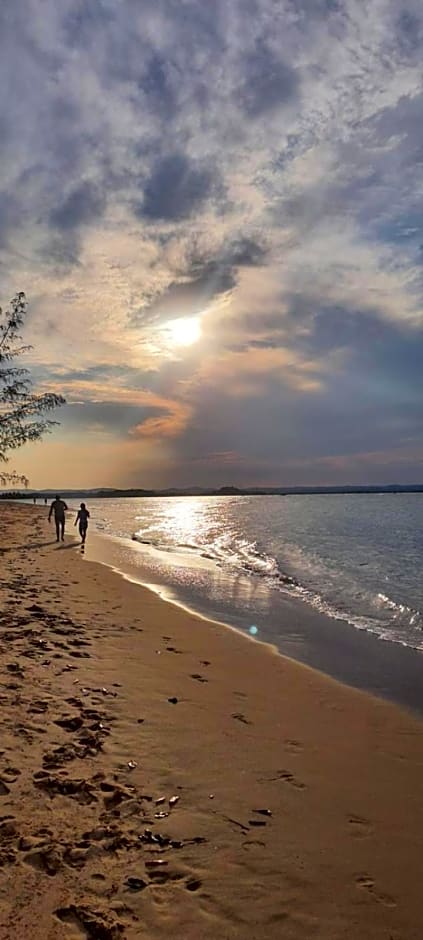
{"x":22,"y":413}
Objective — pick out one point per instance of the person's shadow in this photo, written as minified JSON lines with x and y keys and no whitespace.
{"x":33,"y":546}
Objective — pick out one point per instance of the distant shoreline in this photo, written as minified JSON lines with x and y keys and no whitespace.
{"x":98,"y":493}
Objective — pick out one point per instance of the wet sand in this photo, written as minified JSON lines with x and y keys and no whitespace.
{"x":161,"y":775}
{"x":294,"y":628}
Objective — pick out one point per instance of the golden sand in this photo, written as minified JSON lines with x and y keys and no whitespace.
{"x":160,"y":776}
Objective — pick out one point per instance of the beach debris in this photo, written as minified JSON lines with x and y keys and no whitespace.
{"x":160,"y":800}
{"x":173,"y":701}
{"x":263,"y":812}
{"x":156,"y":863}
{"x":135,"y":884}
{"x":150,"y":838}
{"x":140,"y":721}
{"x":211,"y":796}
{"x":173,"y":800}
{"x":161,"y":815}
{"x":132,"y":764}
{"x":147,"y":836}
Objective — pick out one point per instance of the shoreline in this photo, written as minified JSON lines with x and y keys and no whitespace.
{"x":357,"y":658}
{"x":298,"y":809}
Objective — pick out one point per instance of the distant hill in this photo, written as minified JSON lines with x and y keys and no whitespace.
{"x":109,"y":493}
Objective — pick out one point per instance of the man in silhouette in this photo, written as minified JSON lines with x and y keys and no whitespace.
{"x":58,"y":508}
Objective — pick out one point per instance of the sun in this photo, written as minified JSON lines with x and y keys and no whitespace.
{"x":183,"y":332}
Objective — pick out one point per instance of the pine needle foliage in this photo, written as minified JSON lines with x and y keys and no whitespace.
{"x":23,"y":413}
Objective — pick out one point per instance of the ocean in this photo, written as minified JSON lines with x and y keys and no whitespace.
{"x":355,"y":558}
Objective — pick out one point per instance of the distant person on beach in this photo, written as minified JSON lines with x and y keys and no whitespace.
{"x":82,"y":517}
{"x":58,"y":508}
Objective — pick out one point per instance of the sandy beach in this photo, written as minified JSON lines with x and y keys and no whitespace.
{"x":161,"y":775}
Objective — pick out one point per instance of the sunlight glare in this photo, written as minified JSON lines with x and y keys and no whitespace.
{"x":185,"y":331}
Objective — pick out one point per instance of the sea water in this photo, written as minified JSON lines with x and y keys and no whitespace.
{"x":356,"y":558}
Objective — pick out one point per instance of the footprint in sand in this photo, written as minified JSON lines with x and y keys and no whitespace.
{"x":10,"y":774}
{"x":196,"y":675}
{"x":240,"y":717}
{"x":90,"y":923}
{"x":38,"y":707}
{"x":8,"y":838}
{"x":367,"y":884}
{"x":359,"y":827}
{"x":292,"y":746}
{"x":193,"y":884}
{"x":47,"y":859}
{"x":288,"y":777}
{"x":69,"y":722}
{"x":80,"y":790}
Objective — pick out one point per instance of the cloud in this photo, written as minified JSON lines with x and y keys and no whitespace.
{"x":83,"y":204}
{"x":269,"y":85}
{"x":176,"y":188}
{"x":257,"y":165}
{"x":171,"y":423}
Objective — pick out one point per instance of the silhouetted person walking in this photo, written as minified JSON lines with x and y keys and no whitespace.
{"x":58,"y":507}
{"x":82,"y":517}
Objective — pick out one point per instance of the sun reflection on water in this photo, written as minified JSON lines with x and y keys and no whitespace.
{"x":186,"y":521}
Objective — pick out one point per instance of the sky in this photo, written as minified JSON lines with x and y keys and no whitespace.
{"x":215,"y":210}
